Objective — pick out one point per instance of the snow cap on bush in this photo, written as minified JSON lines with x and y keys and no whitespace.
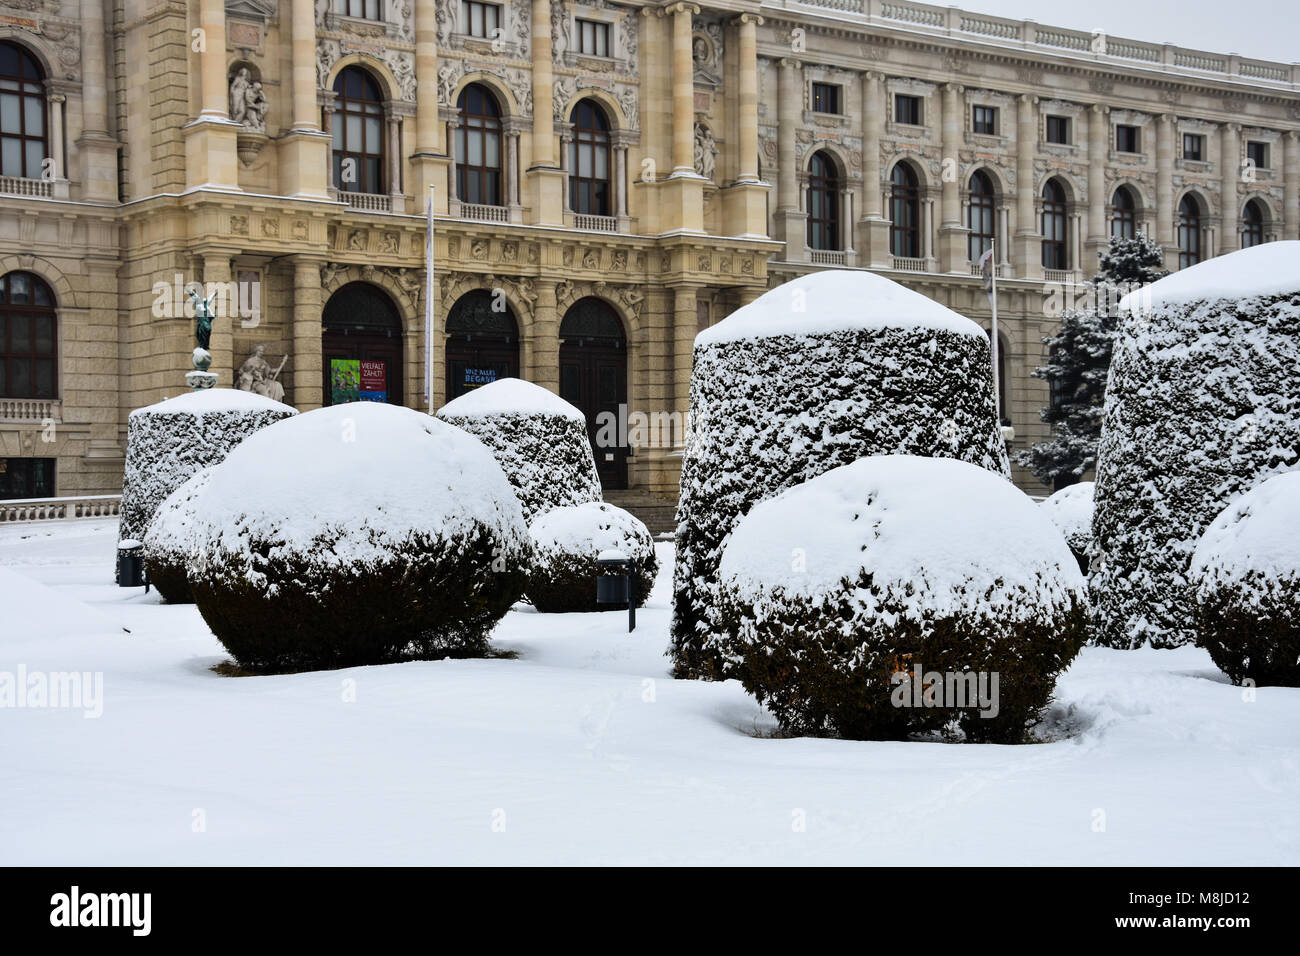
{"x":565,"y":543}
{"x":814,"y":374}
{"x":1071,"y":510}
{"x":168,"y":442}
{"x":356,"y":534}
{"x":1203,"y":402}
{"x":169,"y":542}
{"x":1246,"y":572}
{"x":895,"y":561}
{"x":539,"y":439}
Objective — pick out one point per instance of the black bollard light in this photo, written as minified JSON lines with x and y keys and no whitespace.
{"x":616,"y":582}
{"x":130,"y":564}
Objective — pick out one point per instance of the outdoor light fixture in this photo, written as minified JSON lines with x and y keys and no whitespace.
{"x":130,"y":565}
{"x":616,"y":582}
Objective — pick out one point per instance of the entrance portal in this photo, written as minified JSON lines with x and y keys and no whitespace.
{"x":361,"y":346}
{"x":482,"y":342}
{"x":593,"y":376}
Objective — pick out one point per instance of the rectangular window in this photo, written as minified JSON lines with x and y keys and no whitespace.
{"x":480,"y":19}
{"x":907,"y":110}
{"x":1058,"y":130}
{"x":26,"y":478}
{"x":361,"y":9}
{"x":984,"y":120}
{"x":825,"y":98}
{"x":593,"y":38}
{"x":1193,"y":147}
{"x":1126,"y":139}
{"x":1257,"y":153}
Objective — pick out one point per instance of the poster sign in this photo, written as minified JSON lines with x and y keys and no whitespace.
{"x":476,"y":377}
{"x":374,"y":382}
{"x":345,"y":381}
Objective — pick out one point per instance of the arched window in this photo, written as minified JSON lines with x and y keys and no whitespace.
{"x":904,"y":213}
{"x":1189,"y":233}
{"x":1055,"y":252}
{"x":22,"y":114}
{"x":478,"y":147}
{"x":589,"y":186}
{"x":28,"y":343}
{"x":358,"y":132}
{"x":823,"y":203}
{"x":979,"y":217}
{"x":1252,"y":225}
{"x":1123,"y":217}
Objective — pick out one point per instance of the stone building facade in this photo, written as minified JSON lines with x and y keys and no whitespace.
{"x":608,"y":177}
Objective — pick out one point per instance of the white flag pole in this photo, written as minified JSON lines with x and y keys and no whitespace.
{"x":428,"y":306}
{"x":991,"y":286}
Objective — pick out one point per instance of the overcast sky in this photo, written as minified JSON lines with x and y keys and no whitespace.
{"x":1263,"y":29}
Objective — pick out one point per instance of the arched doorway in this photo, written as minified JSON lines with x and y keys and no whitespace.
{"x":482,"y":342}
{"x":593,"y":376}
{"x":361,"y":346}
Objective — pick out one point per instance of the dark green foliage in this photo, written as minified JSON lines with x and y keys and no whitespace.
{"x":169,"y":577}
{"x":568,"y":583}
{"x":435,"y":598}
{"x":824,"y":666}
{"x":1252,"y":628}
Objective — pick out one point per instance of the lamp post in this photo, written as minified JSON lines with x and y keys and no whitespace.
{"x":616,"y":582}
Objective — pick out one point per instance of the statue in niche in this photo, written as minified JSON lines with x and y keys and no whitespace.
{"x":248,"y":104}
{"x":706,"y":151}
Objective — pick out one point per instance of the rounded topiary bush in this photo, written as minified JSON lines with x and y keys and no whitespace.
{"x":168,"y":442}
{"x":840,"y":596}
{"x":564,"y":544}
{"x":1246,"y":574}
{"x":539,"y":439}
{"x":1202,"y":403}
{"x":357,"y":534}
{"x":1071,"y":510}
{"x":169,"y":541}
{"x":814,"y":374}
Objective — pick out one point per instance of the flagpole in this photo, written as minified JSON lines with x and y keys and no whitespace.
{"x":428,"y":306}
{"x":990,"y":271}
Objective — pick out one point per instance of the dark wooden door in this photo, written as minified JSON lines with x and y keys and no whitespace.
{"x":475,"y":361}
{"x":356,"y":365}
{"x":593,"y":376}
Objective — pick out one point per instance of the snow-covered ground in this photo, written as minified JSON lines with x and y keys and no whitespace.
{"x":583,"y":750}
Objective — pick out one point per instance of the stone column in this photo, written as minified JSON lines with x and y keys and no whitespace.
{"x":1165,"y":189}
{"x":512,"y":170}
{"x":545,"y":190}
{"x":214,"y":100}
{"x":790,"y":220}
{"x":952,"y":232}
{"x":216,"y":274}
{"x":1028,"y":259}
{"x":56,"y":101}
{"x":305,"y":363}
{"x":97,"y":151}
{"x":685,"y":327}
{"x":211,"y":161}
{"x":545,"y":367}
{"x":620,"y":181}
{"x":305,"y":149}
{"x":747,"y":123}
{"x":394,"y":155}
{"x":875,"y":226}
{"x":683,"y":90}
{"x":1098,"y":140}
{"x":1230,"y":168}
{"x":1291,"y":185}
{"x":453,"y":178}
{"x":428,"y":159}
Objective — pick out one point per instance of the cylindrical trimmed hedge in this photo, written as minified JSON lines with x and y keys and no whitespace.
{"x":840,"y":597}
{"x":814,"y":374}
{"x":539,"y":439}
{"x":357,"y":534}
{"x":564,"y":544}
{"x":169,"y":541}
{"x":1203,"y":402}
{"x":168,"y":442}
{"x":1246,"y":572}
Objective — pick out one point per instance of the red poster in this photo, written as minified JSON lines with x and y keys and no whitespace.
{"x":374,"y":377}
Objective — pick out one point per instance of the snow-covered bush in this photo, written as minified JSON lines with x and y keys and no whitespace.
{"x":907,"y":566}
{"x":814,"y":374}
{"x":539,"y":439}
{"x":1246,"y":571}
{"x":564,"y":543}
{"x":356,"y":534}
{"x":169,"y":541}
{"x":1071,"y":510}
{"x":168,"y":442}
{"x":1203,"y":403}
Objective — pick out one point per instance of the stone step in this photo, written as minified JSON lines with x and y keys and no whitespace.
{"x":657,"y":512}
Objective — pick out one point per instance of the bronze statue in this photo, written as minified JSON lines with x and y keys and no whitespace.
{"x":204,"y":313}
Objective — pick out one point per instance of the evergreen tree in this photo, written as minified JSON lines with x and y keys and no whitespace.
{"x":1078,"y":361}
